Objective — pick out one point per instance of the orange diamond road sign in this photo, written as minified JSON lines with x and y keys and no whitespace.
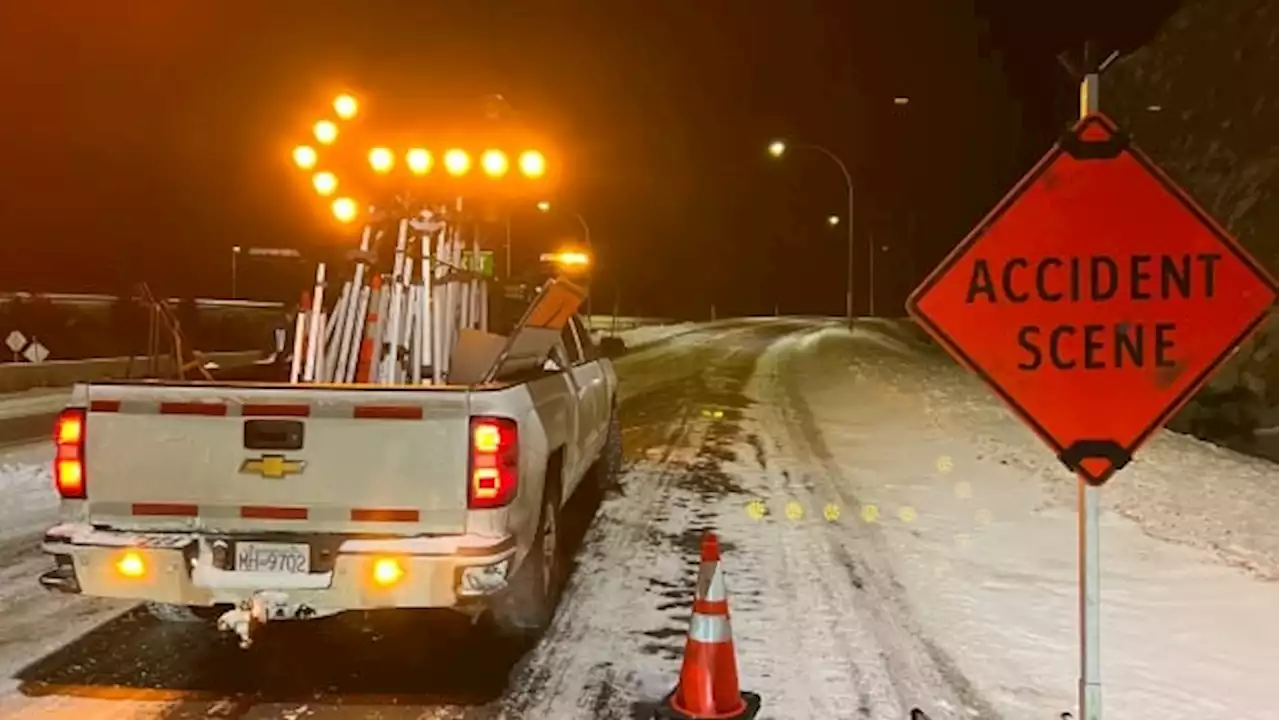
{"x":1095,"y":299}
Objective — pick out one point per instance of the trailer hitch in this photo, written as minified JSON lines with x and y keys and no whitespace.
{"x":252,"y":613}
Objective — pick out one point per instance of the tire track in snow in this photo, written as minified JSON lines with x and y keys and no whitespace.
{"x":626,"y":604}
{"x":921,"y":673}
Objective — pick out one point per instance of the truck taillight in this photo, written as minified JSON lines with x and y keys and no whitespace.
{"x":68,"y":462}
{"x":495,"y":462}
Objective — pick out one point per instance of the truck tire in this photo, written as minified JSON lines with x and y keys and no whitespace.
{"x":604,"y":473}
{"x":529,"y":602}
{"x":182,"y":613}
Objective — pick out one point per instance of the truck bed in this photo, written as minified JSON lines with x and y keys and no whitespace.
{"x":275,"y":457}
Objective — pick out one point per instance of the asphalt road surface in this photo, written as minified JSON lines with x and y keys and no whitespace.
{"x":624,"y":614}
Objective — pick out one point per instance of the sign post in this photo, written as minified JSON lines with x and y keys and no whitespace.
{"x":1095,"y":300}
{"x":1089,"y":538}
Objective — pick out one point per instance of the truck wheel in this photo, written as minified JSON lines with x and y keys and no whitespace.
{"x":182,"y":613}
{"x":527,"y":605}
{"x":604,"y":474}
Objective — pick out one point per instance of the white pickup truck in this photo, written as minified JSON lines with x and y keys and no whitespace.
{"x":255,"y":502}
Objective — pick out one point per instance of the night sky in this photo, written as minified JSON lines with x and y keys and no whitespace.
{"x":141,"y":140}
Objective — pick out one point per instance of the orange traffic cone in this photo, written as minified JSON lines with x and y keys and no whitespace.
{"x":708,"y":687}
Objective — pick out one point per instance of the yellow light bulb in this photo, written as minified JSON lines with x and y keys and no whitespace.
{"x":345,"y":106}
{"x":381,"y":160}
{"x":345,"y":209}
{"x":494,"y":163}
{"x":533,"y":164}
{"x":324,"y":183}
{"x":305,"y":157}
{"x":325,"y":131}
{"x":457,"y":162}
{"x":418,"y":160}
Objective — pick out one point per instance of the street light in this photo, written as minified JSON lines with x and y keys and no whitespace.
{"x":235,"y":255}
{"x":544,"y":206}
{"x":777,"y":149}
{"x":833,"y":220}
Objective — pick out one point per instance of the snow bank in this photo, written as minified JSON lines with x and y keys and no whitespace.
{"x":980,"y":519}
{"x":28,"y":503}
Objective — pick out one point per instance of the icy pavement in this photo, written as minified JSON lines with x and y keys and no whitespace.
{"x":28,"y":503}
{"x":33,"y":621}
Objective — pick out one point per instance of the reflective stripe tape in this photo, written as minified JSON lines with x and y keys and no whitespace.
{"x":320,"y":410}
{"x":384,"y":515}
{"x":193,"y":408}
{"x":387,"y":412}
{"x":262,"y":512}
{"x":710,"y":629}
{"x":164,"y":510}
{"x":275,"y":410}
{"x":711,"y":583}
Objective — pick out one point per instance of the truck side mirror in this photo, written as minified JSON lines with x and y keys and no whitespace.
{"x":612,"y":347}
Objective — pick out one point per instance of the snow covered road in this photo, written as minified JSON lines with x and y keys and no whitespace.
{"x":892,"y":538}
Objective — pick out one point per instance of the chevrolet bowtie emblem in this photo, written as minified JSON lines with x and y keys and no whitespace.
{"x":272,"y":466}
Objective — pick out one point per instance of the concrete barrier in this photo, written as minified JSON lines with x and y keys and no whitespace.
{"x":16,"y":377}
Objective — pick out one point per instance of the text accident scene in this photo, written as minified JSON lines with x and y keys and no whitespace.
{"x":908,"y":360}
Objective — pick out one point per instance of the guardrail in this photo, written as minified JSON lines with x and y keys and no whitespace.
{"x":606,"y":322}
{"x":16,"y":377}
{"x":95,"y":300}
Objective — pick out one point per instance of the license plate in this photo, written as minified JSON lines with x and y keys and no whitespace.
{"x":273,"y":557}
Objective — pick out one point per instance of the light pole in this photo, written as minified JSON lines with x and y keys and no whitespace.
{"x":545,"y":206}
{"x":235,"y":255}
{"x":777,"y":148}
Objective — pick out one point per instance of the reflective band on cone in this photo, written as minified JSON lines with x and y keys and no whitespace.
{"x":708,"y":687}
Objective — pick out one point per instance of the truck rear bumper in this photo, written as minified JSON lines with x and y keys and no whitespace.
{"x":186,"y":568}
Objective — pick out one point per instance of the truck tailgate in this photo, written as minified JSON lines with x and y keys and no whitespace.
{"x":268,"y":458}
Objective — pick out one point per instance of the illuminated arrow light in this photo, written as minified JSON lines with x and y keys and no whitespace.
{"x":457,"y":162}
{"x":418,"y":161}
{"x":345,"y":209}
{"x":532,"y":164}
{"x":345,"y":106}
{"x":304,"y":156}
{"x":381,"y":160}
{"x":325,"y":132}
{"x":494,"y":163}
{"x":325,"y":183}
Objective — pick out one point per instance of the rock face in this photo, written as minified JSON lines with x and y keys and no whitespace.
{"x":1200,"y":99}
